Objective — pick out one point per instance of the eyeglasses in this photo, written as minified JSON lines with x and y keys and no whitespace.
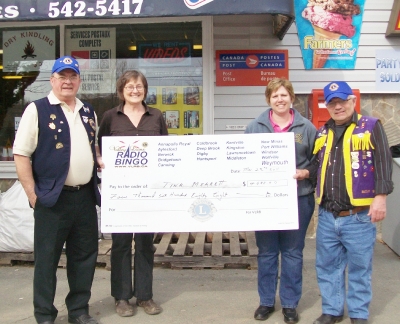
{"x":340,"y":102}
{"x":62,"y":78}
{"x":131,"y":88}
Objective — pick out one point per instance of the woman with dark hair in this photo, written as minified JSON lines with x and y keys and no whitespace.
{"x":281,"y":117}
{"x":132,"y":117}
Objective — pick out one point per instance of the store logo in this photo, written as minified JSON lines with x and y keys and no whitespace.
{"x":194,"y":4}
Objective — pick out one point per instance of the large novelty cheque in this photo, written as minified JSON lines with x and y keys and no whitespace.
{"x":200,"y":183}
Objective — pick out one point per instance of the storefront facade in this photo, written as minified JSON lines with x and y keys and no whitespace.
{"x":174,"y":43}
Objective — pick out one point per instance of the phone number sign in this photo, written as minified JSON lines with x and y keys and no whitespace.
{"x":251,"y":68}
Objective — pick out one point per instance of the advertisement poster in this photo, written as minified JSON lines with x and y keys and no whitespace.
{"x":329,"y":32}
{"x":250,"y":67}
{"x":165,"y":53}
{"x":387,"y":70}
{"x":181,"y":106}
{"x":25,"y":50}
{"x":94,"y":48}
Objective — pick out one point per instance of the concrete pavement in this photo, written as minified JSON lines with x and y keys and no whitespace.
{"x":201,"y":296}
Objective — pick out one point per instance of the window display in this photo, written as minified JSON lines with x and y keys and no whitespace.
{"x":169,"y":54}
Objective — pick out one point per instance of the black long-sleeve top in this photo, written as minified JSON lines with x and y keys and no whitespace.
{"x":335,"y":197}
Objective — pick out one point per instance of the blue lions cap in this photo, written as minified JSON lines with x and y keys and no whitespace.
{"x":65,"y":62}
{"x":337,"y":89}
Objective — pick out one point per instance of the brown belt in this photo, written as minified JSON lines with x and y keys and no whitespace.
{"x":353,"y":211}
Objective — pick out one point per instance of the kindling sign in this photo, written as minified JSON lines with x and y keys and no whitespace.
{"x":25,"y":50}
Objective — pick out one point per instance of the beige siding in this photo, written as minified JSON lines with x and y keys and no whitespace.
{"x":239,"y":105}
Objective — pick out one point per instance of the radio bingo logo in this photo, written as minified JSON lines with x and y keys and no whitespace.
{"x":202,"y":210}
{"x":130,"y":155}
{"x":194,"y":4}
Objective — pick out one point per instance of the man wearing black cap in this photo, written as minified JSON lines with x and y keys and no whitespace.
{"x":58,"y":133}
{"x":354,"y":178}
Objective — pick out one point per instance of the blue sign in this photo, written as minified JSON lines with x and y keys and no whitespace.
{"x":329,"y":37}
{"x":252,"y":61}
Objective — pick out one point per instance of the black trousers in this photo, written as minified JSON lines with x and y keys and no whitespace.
{"x":121,"y":266}
{"x":73,"y":220}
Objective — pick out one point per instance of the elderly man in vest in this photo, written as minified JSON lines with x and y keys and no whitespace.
{"x":354,"y":178}
{"x":58,"y":133}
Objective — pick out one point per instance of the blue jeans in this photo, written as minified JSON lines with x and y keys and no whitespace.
{"x":290,"y":244}
{"x":345,"y":242}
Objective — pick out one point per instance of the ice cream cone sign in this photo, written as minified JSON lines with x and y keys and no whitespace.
{"x":329,"y":32}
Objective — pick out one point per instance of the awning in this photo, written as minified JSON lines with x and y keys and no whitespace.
{"x":22,"y":10}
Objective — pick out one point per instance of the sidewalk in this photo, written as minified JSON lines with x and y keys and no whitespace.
{"x":201,"y":296}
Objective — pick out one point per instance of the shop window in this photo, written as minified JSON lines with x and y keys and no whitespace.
{"x":169,"y":54}
{"x":25,"y":56}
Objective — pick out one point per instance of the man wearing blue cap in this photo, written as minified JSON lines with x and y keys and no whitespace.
{"x":58,"y":133}
{"x":354,"y":178}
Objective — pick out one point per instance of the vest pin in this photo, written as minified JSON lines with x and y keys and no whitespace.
{"x":59,"y":145}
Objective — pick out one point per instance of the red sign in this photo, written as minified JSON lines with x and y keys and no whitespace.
{"x":177,"y":53}
{"x":397,"y":27}
{"x":250,"y":68}
{"x":83,"y":59}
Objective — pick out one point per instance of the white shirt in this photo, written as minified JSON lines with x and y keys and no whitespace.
{"x":81,"y":159}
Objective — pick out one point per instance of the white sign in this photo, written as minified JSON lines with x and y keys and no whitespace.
{"x":25,"y":50}
{"x":387,"y":70}
{"x":199,"y":183}
{"x":235,"y":127}
{"x":94,"y":48}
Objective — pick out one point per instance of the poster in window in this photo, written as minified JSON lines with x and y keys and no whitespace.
{"x":29,"y":50}
{"x":169,"y":96}
{"x":191,"y":119}
{"x":172,"y":118}
{"x":151,"y":98}
{"x":191,"y":96}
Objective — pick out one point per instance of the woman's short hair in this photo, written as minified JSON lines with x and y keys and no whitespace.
{"x":275,"y":84}
{"x":127,"y":77}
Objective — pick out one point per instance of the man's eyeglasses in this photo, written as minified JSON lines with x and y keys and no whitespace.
{"x":62,"y":78}
{"x":340,"y":102}
{"x":131,"y":88}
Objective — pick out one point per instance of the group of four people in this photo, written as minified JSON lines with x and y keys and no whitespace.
{"x":57,"y":153}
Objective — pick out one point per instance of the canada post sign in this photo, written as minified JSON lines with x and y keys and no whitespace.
{"x":251,"y":68}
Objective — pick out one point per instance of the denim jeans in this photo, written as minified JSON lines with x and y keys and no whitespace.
{"x":290,"y":244}
{"x":345,"y":242}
